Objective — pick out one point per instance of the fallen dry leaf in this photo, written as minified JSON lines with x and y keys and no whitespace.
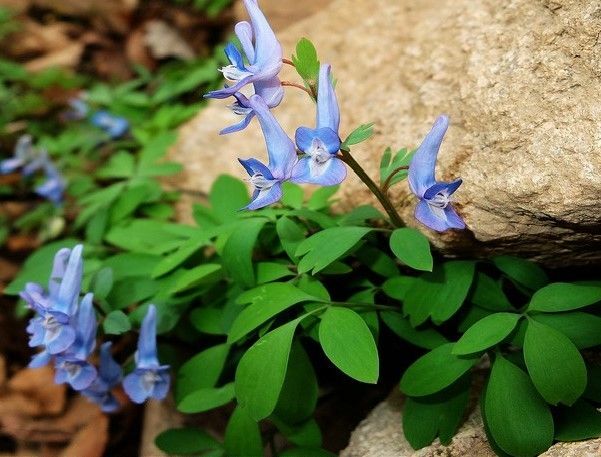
{"x":165,"y":41}
{"x":91,"y":440}
{"x":68,"y":57}
{"x":38,"y":384}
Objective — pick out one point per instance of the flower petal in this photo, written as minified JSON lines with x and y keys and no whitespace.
{"x":328,"y":112}
{"x":423,"y":164}
{"x":329,"y":173}
{"x":244,"y":33}
{"x":146,"y":356}
{"x":265,"y":197}
{"x":447,"y":188}
{"x":109,"y":370}
{"x":268,"y":51}
{"x":70,"y":286}
{"x":439,"y":219}
{"x":86,"y":328}
{"x":234,"y":56}
{"x":41,"y":359}
{"x":58,"y":270}
{"x":270,"y":90}
{"x":304,"y":138}
{"x":280,"y":148}
{"x":239,"y":126}
{"x":253,"y":166}
{"x":134,"y":387}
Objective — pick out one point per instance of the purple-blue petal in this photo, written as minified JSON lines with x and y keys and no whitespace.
{"x":439,"y":219}
{"x":308,"y":171}
{"x":234,"y":56}
{"x":239,"y":126}
{"x":453,"y":219}
{"x":265,"y":197}
{"x":328,"y":112}
{"x":447,"y":188}
{"x":146,"y":357}
{"x":245,"y":35}
{"x":109,"y":370}
{"x":268,"y":51}
{"x":422,"y":167}
{"x":85,"y":339}
{"x":10,"y":165}
{"x":253,"y":166}
{"x":60,"y":340}
{"x":78,"y":374}
{"x":70,"y":286}
{"x":304,"y":139}
{"x":41,"y":359}
{"x":139,"y":389}
{"x":280,"y":148}
{"x":270,"y":90}
{"x":59,"y":266}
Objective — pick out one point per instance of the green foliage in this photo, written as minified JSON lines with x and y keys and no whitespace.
{"x":359,"y":135}
{"x":412,"y":248}
{"x":187,"y":441}
{"x":306,"y":63}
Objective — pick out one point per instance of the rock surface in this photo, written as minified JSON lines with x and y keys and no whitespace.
{"x":520,"y":81}
{"x":381,"y":435}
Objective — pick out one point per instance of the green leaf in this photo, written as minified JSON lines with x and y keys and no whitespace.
{"x":439,"y":294}
{"x":427,"y":338}
{"x":130,"y":264}
{"x":486,"y":333}
{"x":208,"y":320}
{"x":412,"y":248}
{"x":291,"y":235}
{"x":435,"y":371}
{"x":298,"y":397}
{"x":360,"y":134}
{"x":305,"y":61}
{"x":517,"y":417}
{"x":120,"y":165}
{"x":360,"y":215}
{"x":554,"y":364}
{"x":227,"y":196}
{"x":327,"y":246}
{"x":377,"y":261}
{"x":583,"y":329}
{"x":488,"y":294}
{"x":306,"y":434}
{"x":184,"y":441}
{"x":521,"y":271}
{"x":293,"y":195}
{"x":116,"y":322}
{"x":425,"y":418}
{"x":175,"y":259}
{"x":102,"y":282}
{"x":347,"y":341}
{"x":564,"y":296}
{"x":320,"y":198}
{"x":206,"y":398}
{"x":398,"y":287}
{"x":238,"y":250}
{"x":242,"y":435}
{"x":582,"y":421}
{"x":38,"y":266}
{"x":272,"y":271}
{"x":262,"y":369}
{"x":201,"y":371}
{"x":207,"y":273}
{"x":266,"y":302}
{"x":390,"y":165}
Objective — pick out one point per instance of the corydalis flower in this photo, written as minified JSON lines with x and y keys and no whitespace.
{"x":72,"y":366}
{"x":114,"y":126}
{"x":434,"y":209}
{"x":53,"y":187}
{"x":149,"y":379}
{"x":51,"y":327}
{"x":22,"y":155}
{"x":267,"y":180}
{"x":109,"y":375}
{"x":264,"y":55}
{"x":321,"y":144}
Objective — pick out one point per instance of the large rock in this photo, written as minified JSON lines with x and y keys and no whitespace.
{"x":520,"y":81}
{"x":381,"y":435}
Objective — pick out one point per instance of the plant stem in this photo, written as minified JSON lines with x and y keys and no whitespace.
{"x":381,"y":196}
{"x":366,"y":305}
{"x":298,"y":86}
{"x":288,"y":62}
{"x":386,"y":184}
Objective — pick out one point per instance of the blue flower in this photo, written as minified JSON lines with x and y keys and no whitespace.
{"x":263,"y":53}
{"x":53,"y":187}
{"x":149,"y":379}
{"x":71,"y":365}
{"x":52,"y":327}
{"x":434,"y":209}
{"x":23,"y":154}
{"x":78,"y":109}
{"x":320,"y":164}
{"x":267,"y":180}
{"x":109,"y":375}
{"x":114,"y":126}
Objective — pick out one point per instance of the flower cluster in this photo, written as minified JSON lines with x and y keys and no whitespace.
{"x":313,"y":158}
{"x":30,"y":160}
{"x":114,"y":126}
{"x":65,"y":327}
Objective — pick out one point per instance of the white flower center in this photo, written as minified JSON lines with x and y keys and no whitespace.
{"x":261,"y":182}
{"x":149,"y":379}
{"x":318,"y":152}
{"x":233,"y":73}
{"x":440,"y":200}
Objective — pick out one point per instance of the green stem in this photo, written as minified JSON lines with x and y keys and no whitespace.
{"x":381,"y":196}
{"x":386,"y":184}
{"x":365,"y":305}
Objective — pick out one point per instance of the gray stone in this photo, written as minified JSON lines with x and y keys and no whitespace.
{"x":381,"y":435}
{"x":520,"y":81}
